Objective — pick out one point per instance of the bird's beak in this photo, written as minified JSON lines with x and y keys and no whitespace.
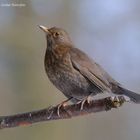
{"x":45,"y":29}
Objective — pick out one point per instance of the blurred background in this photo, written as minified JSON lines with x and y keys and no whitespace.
{"x":107,"y":30}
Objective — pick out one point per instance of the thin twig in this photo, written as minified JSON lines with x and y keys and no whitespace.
{"x":66,"y":112}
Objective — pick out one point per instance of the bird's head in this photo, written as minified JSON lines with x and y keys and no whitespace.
{"x":56,"y":36}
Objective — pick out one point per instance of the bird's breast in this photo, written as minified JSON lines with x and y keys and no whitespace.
{"x":63,"y":75}
{"x":58,"y":68}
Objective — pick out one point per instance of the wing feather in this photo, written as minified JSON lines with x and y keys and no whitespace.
{"x":91,"y":70}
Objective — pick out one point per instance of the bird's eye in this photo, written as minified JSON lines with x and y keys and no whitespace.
{"x":56,"y":34}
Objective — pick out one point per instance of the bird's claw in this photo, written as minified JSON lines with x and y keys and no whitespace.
{"x":82,"y":102}
{"x":50,"y":110}
{"x":63,"y":104}
{"x":58,"y":108}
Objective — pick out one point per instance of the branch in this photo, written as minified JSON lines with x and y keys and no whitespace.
{"x":66,"y":112}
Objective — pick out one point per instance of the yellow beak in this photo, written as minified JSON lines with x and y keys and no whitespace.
{"x":45,"y":29}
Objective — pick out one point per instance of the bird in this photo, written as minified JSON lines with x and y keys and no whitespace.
{"x":74,"y":73}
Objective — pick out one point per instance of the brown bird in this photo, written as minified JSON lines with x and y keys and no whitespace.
{"x":75,"y":74}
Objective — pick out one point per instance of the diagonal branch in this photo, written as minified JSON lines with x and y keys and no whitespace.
{"x":66,"y":112}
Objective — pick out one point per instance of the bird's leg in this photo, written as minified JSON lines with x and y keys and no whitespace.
{"x":82,"y":102}
{"x":62,"y":104}
{"x":58,"y":107}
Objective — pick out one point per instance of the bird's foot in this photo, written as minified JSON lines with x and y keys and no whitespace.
{"x":50,"y":110}
{"x":63,"y":104}
{"x":88,"y":99}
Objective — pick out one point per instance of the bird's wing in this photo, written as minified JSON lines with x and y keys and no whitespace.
{"x":91,"y":70}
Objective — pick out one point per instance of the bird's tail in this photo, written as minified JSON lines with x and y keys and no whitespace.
{"x":134,"y":97}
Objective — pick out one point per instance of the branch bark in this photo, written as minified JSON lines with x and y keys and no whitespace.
{"x":66,"y":112}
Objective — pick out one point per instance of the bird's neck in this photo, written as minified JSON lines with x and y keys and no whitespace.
{"x":59,"y":50}
{"x":56,"y":54}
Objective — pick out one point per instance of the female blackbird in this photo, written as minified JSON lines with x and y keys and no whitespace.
{"x":75,"y":74}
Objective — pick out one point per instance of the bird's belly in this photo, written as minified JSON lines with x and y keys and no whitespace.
{"x":71,"y":84}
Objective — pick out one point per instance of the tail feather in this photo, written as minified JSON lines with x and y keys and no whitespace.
{"x":134,"y":97}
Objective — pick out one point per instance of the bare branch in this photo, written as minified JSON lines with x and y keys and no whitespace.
{"x":66,"y":112}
